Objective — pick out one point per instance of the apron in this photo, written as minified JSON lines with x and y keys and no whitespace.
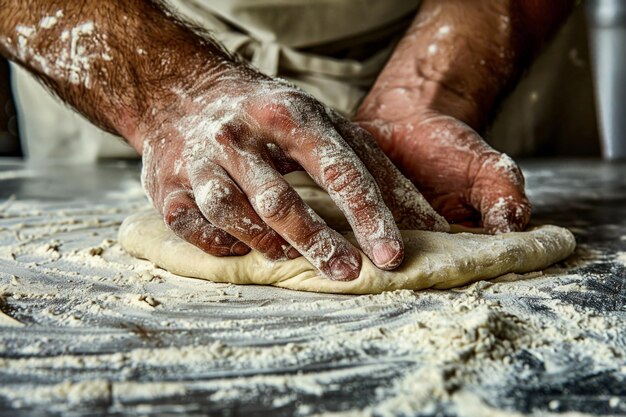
{"x":333,"y":49}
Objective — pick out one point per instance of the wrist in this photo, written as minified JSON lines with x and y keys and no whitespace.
{"x":171,"y":64}
{"x":458,"y":58}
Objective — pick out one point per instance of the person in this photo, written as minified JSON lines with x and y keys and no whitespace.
{"x":217,"y":135}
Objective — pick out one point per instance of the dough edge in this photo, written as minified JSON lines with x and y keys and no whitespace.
{"x":432,"y":259}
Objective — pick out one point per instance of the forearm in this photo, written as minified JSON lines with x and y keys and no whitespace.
{"x":459,"y":57}
{"x":107,"y":59}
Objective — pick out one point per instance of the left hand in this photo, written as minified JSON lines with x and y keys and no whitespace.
{"x":462,"y":177}
{"x":440,"y":85}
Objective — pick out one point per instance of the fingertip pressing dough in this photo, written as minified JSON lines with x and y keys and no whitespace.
{"x":432,"y":259}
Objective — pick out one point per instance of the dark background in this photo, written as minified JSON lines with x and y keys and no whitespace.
{"x":9,"y":137}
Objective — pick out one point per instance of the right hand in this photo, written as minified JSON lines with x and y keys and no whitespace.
{"x":213,"y":160}
{"x":216,"y":136}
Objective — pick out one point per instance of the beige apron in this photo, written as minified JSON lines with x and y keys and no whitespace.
{"x":333,"y":49}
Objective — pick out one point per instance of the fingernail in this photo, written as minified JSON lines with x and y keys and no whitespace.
{"x":386,"y":253}
{"x":292,"y":253}
{"x":239,"y":249}
{"x":342,"y":270}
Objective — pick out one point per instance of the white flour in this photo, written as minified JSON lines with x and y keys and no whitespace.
{"x":100,"y":327}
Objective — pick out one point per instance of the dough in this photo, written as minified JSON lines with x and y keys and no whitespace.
{"x":432,"y":259}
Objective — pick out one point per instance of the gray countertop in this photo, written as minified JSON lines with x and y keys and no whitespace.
{"x":88,"y":330}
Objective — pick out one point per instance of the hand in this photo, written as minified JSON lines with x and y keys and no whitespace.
{"x":463,"y":178}
{"x":214,"y":153}
{"x":216,"y":136}
{"x":440,"y":85}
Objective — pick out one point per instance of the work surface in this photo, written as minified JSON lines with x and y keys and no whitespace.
{"x":88,"y":330}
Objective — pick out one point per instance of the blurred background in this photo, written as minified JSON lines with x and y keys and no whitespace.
{"x":9,"y":135}
{"x":551,"y":113}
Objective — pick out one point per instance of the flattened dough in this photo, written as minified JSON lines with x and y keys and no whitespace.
{"x":432,"y":260}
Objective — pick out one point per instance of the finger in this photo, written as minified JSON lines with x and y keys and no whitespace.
{"x":223,"y":203}
{"x":282,"y":162}
{"x":282,"y":209}
{"x":409,"y":207}
{"x":309,"y":138}
{"x":183,"y":217}
{"x":498,"y":194}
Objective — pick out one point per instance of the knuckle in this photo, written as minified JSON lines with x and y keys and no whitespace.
{"x":215,"y":195}
{"x":343,"y":178}
{"x":277,"y":113}
{"x":268,"y":242}
{"x":186,"y":221}
{"x":291,"y":108}
{"x":215,"y":241}
{"x":176,"y":210}
{"x":506,"y":167}
{"x":275,"y":201}
{"x":320,"y":245}
{"x":173,"y":216}
{"x":228,"y":134}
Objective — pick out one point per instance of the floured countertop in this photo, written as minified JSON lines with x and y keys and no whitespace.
{"x":87,"y":329}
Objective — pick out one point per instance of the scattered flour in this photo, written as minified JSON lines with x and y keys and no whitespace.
{"x":99,"y":328}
